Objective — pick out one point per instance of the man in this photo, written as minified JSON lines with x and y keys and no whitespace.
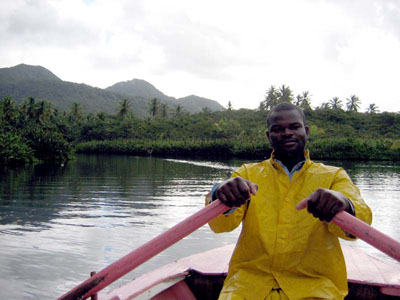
{"x":283,"y":252}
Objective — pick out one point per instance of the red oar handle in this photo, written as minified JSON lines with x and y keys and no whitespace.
{"x":145,"y":252}
{"x":368,"y":234}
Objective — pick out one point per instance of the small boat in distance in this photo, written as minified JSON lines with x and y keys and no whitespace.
{"x":201,"y":276}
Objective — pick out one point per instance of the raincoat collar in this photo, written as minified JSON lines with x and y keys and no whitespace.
{"x":277,"y":163}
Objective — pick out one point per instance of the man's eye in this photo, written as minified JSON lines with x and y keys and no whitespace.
{"x":276,"y":129}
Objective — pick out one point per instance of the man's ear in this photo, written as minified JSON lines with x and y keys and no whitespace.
{"x":307,"y":130}
{"x":267,"y":133}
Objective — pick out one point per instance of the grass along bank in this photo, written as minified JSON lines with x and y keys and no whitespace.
{"x":326,"y":149}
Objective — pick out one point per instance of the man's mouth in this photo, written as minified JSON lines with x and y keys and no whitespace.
{"x":289,"y":143}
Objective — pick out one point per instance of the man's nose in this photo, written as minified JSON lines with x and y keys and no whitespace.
{"x":287,"y":131}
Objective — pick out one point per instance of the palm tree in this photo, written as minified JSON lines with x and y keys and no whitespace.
{"x":153,"y":107}
{"x":8,"y":110}
{"x":324,"y":105}
{"x":306,"y":101}
{"x":298,"y":100}
{"x":262,"y":106}
{"x":30,"y":108}
{"x":285,"y":94}
{"x":372,"y":108}
{"x":353,"y":103}
{"x":43,"y":111}
{"x":101,"y":116}
{"x":124,"y":108}
{"x":229,"y":105}
{"x":335,"y":103}
{"x":178,"y":110}
{"x":164,"y":110}
{"x":76,"y":111}
{"x":206,"y":110}
{"x":271,"y":98}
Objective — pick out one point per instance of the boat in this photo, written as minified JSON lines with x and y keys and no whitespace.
{"x":201,"y":276}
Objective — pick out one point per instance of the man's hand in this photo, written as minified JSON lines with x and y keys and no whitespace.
{"x":235,"y":191}
{"x":325,"y":204}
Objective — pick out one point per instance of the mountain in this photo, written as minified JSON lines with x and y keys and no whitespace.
{"x":144,"y":89}
{"x":23,"y":81}
{"x":24,"y":72}
{"x":137,"y":87}
{"x":196,"y":104}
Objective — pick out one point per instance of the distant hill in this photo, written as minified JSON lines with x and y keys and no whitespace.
{"x":24,"y":72}
{"x":196,"y":104}
{"x":62,"y":94}
{"x":23,"y":81}
{"x":144,"y":89}
{"x":137,"y":87}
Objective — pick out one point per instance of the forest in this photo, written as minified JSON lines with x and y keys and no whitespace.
{"x":35,"y":131}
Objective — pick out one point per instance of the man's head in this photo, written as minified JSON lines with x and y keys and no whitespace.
{"x":287,"y":130}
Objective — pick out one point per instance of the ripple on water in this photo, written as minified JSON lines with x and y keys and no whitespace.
{"x":55,"y":228}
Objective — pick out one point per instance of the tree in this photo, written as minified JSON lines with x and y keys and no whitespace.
{"x":164,"y":110}
{"x":353,"y":103}
{"x":335,"y":103}
{"x":124,"y":108}
{"x":8,"y":110}
{"x":76,"y":112}
{"x":299,"y":99}
{"x":285,"y":94}
{"x":153,"y":107}
{"x":372,"y":109}
{"x":262,"y":106}
{"x":43,"y":111}
{"x":206,"y":110}
{"x":101,"y":116}
{"x":305,"y":103}
{"x":31,"y":108}
{"x":324,"y":105}
{"x":229,"y":105}
{"x":271,"y":98}
{"x":178,"y":110}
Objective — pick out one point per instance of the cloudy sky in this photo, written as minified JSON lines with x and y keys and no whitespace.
{"x":222,"y":50}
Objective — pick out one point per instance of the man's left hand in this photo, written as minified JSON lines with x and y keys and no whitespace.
{"x":324,"y":204}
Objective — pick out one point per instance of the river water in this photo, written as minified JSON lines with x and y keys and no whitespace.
{"x":59,"y":223}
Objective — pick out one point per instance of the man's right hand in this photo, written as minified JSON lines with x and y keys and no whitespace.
{"x":235,"y":191}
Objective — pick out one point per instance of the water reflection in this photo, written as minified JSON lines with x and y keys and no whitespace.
{"x":58,"y":224}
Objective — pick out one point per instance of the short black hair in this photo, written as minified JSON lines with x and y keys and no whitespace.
{"x":285,"y":106}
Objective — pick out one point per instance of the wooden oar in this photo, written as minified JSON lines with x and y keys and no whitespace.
{"x":145,"y":252}
{"x":135,"y":258}
{"x":368,"y":234}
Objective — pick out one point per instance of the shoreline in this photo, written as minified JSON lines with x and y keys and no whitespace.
{"x":324,"y":149}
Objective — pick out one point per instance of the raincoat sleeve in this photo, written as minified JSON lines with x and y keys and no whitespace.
{"x":228,"y":222}
{"x":342,"y":183}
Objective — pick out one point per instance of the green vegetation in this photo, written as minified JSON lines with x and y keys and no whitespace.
{"x":35,"y":131}
{"x":32,"y":132}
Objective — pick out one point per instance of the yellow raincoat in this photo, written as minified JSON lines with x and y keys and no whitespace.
{"x":281,"y":247}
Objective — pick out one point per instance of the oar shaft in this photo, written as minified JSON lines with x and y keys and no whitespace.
{"x":368,"y":234}
{"x":135,"y":258}
{"x":145,"y":252}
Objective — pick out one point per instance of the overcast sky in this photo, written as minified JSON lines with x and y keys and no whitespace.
{"x":222,"y":50}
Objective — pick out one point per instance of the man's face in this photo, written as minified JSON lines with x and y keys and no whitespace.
{"x":287,"y":133}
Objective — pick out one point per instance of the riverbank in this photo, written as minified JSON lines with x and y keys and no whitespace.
{"x":32,"y":132}
{"x":326,"y":149}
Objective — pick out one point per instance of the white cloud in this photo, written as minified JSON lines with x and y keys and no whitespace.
{"x":223,"y":50}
